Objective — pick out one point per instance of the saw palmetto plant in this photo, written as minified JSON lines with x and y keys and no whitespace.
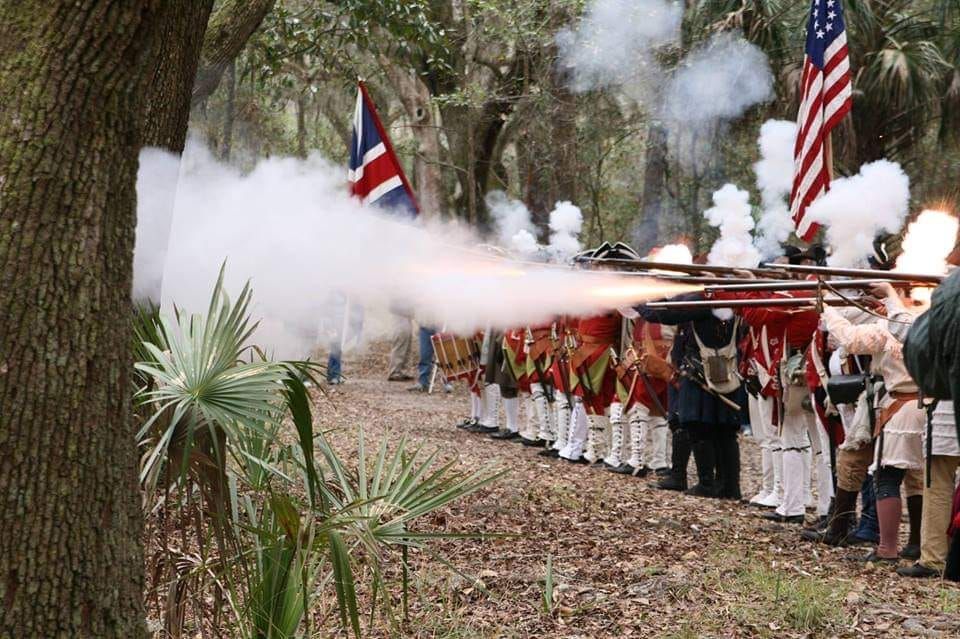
{"x":253,"y":514}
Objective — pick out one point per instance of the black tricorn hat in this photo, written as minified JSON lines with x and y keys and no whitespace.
{"x":618,"y":251}
{"x":817,"y":253}
{"x":793,"y":253}
{"x":881,"y":259}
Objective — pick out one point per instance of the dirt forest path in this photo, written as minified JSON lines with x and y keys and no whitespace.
{"x":628,"y":560}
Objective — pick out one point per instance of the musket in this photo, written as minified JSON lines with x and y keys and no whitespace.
{"x":769,"y":302}
{"x":828,"y":271}
{"x":808,"y":285}
{"x":695,"y":279}
{"x":562,"y":360}
{"x":769,"y":270}
{"x":639,"y":374}
{"x":686,"y":374}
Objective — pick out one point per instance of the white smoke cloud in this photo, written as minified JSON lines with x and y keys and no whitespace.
{"x":731,"y":214}
{"x":614,"y":43}
{"x":524,"y":244}
{"x":774,"y":174}
{"x":291,"y":228}
{"x":857,"y":208}
{"x":511,"y":220}
{"x":717,"y":82}
{"x":615,"y":46}
{"x":156,"y":192}
{"x":566,"y":222}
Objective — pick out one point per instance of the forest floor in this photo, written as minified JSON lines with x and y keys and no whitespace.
{"x":627,"y":560}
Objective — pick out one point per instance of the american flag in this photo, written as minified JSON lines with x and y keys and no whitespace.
{"x":376,"y":176}
{"x":826,"y":97}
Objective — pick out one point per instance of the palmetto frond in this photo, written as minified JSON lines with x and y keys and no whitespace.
{"x":201,"y":389}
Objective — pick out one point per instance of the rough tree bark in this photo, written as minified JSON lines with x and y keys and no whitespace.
{"x":230,"y":112}
{"x":166,"y":107}
{"x":654,"y":186}
{"x":427,"y":172}
{"x":301,"y":126}
{"x":71,"y":556}
{"x":230,"y":27}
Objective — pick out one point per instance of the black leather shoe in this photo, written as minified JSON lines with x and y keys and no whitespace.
{"x":774,"y":516}
{"x":821,"y":523}
{"x":874,"y":558}
{"x":467,"y":423}
{"x":918,"y":571}
{"x":505,"y":435}
{"x":549,"y":452}
{"x":482,"y":429}
{"x":622,"y":469}
{"x":823,"y":537}
{"x":662,"y":472}
{"x":910,"y":551}
{"x":532,"y":442}
{"x":579,"y":460}
{"x":701,"y":491}
{"x":672,"y":483}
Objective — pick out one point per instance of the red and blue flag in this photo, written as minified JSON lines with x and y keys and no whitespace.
{"x":376,"y":176}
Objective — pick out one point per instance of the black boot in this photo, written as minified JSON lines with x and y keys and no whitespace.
{"x":838,"y":531}
{"x":915,"y":513}
{"x":705,"y":456}
{"x":728,"y":465}
{"x":679,"y":458}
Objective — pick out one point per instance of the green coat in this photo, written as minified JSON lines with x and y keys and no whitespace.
{"x":932,"y":347}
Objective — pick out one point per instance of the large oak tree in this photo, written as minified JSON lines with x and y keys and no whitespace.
{"x":83,"y":84}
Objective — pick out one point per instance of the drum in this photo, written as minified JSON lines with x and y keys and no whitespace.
{"x":457,"y":357}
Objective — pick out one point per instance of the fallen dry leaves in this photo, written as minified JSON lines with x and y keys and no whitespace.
{"x":628,"y":560}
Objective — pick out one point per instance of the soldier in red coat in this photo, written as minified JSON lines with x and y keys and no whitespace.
{"x":788,"y":332}
{"x":642,"y":391}
{"x":591,"y":371}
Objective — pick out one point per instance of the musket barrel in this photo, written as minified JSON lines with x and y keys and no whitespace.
{"x":646,"y":265}
{"x":807,"y":285}
{"x":697,"y":279}
{"x":828,"y":271}
{"x":798,"y":302}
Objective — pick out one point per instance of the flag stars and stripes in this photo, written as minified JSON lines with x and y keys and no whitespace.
{"x":826,"y":98}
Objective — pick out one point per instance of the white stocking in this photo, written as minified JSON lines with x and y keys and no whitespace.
{"x":540,"y":413}
{"x":577,"y":436}
{"x":615,"y":455}
{"x":638,"y":426}
{"x":491,"y":394}
{"x":475,"y":407}
{"x":563,"y":424}
{"x":796,"y":482}
{"x":511,"y":408}
{"x":597,"y":427}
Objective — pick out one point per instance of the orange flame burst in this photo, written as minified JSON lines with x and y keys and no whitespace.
{"x":926,"y":246}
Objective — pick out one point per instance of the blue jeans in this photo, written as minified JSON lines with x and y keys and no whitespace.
{"x":868,"y":529}
{"x":334,"y":363}
{"x":425,"y":362}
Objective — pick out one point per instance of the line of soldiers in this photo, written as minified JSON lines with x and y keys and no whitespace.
{"x":825,"y":393}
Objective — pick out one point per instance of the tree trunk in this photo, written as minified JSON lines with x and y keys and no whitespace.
{"x":71,"y":87}
{"x":227,"y":33}
{"x":564,"y":140}
{"x":230,"y":113}
{"x":654,"y":184}
{"x":301,"y":126}
{"x":427,"y":174}
{"x":166,"y":106}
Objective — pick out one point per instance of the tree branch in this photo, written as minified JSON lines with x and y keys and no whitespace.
{"x":227,"y":33}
